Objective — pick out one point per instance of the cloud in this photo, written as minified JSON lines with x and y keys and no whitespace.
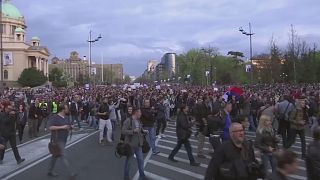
{"x":136,"y":31}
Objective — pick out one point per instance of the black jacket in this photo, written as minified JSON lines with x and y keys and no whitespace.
{"x":215,"y":126}
{"x":201,"y":111}
{"x":183,"y":127}
{"x":264,"y":140}
{"x":313,"y":160}
{"x":33,"y":111}
{"x":228,"y":153}
{"x":276,"y":175}
{"x":7,"y":124}
{"x":147,"y":117}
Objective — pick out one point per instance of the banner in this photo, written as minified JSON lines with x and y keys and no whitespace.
{"x":7,"y":58}
{"x":94,"y":71}
{"x":248,"y":68}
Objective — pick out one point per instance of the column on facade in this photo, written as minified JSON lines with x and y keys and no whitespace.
{"x":37,"y":62}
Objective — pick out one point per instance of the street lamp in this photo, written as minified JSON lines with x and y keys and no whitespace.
{"x":250,"y":33}
{"x":90,"y":41}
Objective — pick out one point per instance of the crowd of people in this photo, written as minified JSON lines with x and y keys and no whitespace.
{"x":277,"y":113}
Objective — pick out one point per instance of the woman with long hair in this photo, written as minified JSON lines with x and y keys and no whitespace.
{"x":266,"y":141}
{"x":21,"y":121}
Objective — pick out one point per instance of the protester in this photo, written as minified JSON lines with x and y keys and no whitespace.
{"x":232,"y":158}
{"x":104,"y":121}
{"x":148,"y":120}
{"x":283,"y":109}
{"x":183,"y":129}
{"x":21,"y":121}
{"x":133,"y":134}
{"x":267,"y":142}
{"x":313,"y":156}
{"x":287,"y":164}
{"x":59,"y":126}
{"x":298,"y":120}
{"x":8,"y":132}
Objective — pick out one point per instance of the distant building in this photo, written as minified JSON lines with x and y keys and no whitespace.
{"x":152,"y":64}
{"x":74,"y":67}
{"x":264,"y":61}
{"x":18,"y":54}
{"x":168,"y":62}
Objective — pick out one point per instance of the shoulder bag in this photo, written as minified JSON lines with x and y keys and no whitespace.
{"x":124,"y":149}
{"x":145,"y":145}
{"x":54,"y":147}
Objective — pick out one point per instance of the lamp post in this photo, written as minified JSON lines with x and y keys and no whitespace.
{"x":250,"y":33}
{"x":90,"y":41}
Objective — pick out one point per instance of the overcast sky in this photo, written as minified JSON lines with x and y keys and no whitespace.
{"x":135,"y":31}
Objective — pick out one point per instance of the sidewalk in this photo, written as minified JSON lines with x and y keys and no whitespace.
{"x":31,"y":152}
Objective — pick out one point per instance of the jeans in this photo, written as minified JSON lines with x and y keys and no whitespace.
{"x":292,"y":138}
{"x":201,"y":141}
{"x":140,"y":161}
{"x":102,"y":124}
{"x":152,"y":138}
{"x":266,"y":159}
{"x":76,"y":117}
{"x":20,"y":128}
{"x":63,"y":159}
{"x":187,"y":146}
{"x":161,"y":124}
{"x":252,"y":122}
{"x":284,"y":130}
{"x":93,"y":121}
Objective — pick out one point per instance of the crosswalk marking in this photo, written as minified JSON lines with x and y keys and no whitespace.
{"x":181,"y":159}
{"x":180,"y":170}
{"x":170,"y":141}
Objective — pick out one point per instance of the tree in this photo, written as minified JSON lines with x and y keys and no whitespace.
{"x":32,"y":77}
{"x":55,"y":74}
{"x":127,"y":79}
{"x":236,"y":54}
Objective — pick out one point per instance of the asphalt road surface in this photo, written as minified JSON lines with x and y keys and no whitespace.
{"x":94,"y":162}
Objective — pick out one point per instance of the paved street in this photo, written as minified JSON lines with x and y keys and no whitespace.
{"x":92,"y":161}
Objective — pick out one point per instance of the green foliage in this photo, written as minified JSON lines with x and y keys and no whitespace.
{"x":32,"y":77}
{"x":127,"y":79}
{"x":56,"y":74}
{"x":60,"y":83}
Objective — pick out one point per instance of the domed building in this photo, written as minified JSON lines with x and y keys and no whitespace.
{"x":18,"y":54}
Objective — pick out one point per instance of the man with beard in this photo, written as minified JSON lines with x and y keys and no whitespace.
{"x":59,"y":126}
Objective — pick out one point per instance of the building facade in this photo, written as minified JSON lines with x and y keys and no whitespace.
{"x":74,"y":67}
{"x":17,"y":53}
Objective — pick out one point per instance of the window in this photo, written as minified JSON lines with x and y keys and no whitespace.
{"x":13,"y":28}
{"x":19,"y":37}
{"x":5,"y":74}
{"x":3,"y":27}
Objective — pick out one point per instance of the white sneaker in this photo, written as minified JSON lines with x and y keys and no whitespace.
{"x":158,"y":136}
{"x":163,"y":136}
